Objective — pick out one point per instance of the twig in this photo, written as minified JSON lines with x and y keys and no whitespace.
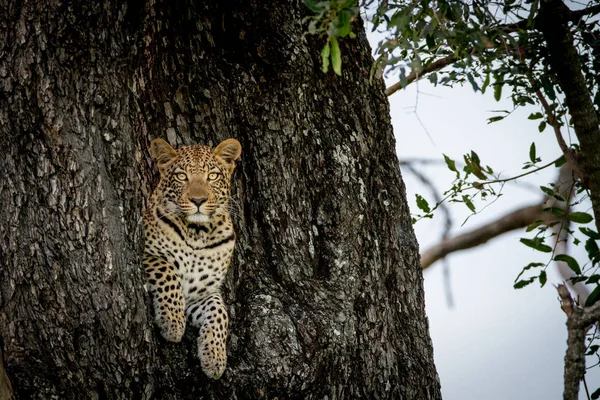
{"x":569,"y":153}
{"x":533,"y":171}
{"x":413,"y":76}
{"x":447,"y":225}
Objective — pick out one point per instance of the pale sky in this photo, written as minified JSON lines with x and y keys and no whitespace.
{"x":496,"y":343}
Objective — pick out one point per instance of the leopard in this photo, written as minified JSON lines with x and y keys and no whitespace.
{"x":188,"y":245}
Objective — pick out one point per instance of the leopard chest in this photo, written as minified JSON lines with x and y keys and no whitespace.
{"x":203,"y":271}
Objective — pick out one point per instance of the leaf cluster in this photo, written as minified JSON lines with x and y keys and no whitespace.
{"x":331,"y":19}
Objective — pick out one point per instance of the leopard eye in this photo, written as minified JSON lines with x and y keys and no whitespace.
{"x":213,"y":176}
{"x":181,"y":176}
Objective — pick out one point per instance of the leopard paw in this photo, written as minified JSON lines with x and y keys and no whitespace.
{"x":212,"y":353}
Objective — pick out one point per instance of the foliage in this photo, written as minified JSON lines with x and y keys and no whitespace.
{"x":492,"y":46}
{"x":332,"y":19}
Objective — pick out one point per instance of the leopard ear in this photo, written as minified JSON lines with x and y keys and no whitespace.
{"x":229,"y":150}
{"x":163,"y":153}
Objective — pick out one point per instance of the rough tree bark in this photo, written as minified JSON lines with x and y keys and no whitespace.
{"x":325,"y":293}
{"x":565,"y":63}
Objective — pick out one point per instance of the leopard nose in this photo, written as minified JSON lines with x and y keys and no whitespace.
{"x":198,"y":201}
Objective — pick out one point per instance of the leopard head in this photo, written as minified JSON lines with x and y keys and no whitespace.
{"x":195,"y":180}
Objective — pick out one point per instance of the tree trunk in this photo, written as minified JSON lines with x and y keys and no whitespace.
{"x":325,"y":292}
{"x":566,"y":65}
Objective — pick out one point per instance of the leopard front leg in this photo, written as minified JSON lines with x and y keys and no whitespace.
{"x":165,"y":286}
{"x":210,"y":315}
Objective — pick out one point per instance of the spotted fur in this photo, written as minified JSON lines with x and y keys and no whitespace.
{"x":189,"y":240}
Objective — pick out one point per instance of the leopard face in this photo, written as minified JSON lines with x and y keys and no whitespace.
{"x":195,"y":180}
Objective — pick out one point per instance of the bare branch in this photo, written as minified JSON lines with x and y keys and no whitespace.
{"x":414,"y":76}
{"x":517,"y":219}
{"x":514,"y":220}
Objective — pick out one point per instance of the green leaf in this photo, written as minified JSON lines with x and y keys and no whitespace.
{"x":494,"y":119}
{"x":497,"y":91}
{"x":548,"y":87}
{"x":577,"y":279}
{"x":593,"y":279}
{"x":316,"y":7}
{"x":430,"y":41}
{"x":433,"y":78}
{"x":450,"y":163}
{"x":527,"y":267}
{"x":592,"y":249}
{"x":596,"y":394}
{"x":571,"y":262}
{"x":590,"y":233}
{"x":423,"y":204}
{"x":593,"y":297}
{"x":543,"y":278}
{"x":542,"y":126}
{"x":536,"y":115}
{"x":343,"y":28}
{"x":469,"y":203}
{"x":534,"y":225}
{"x":580,"y":217}
{"x":472,"y":82}
{"x":592,"y":349}
{"x":536,"y":244}
{"x":560,"y":162}
{"x":522,"y":283}
{"x":336,"y":56}
{"x":486,"y":83}
{"x":547,"y":190}
{"x":552,"y":193}
{"x":559,"y":212}
{"x":532,"y":152}
{"x":325,"y":57}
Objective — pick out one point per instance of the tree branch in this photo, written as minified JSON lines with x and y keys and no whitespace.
{"x":565,"y":65}
{"x":517,"y":219}
{"x":513,"y":178}
{"x":413,"y":76}
{"x":577,"y":14}
{"x":445,"y":61}
{"x":514,"y":220}
{"x":569,"y":153}
{"x":571,"y":16}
